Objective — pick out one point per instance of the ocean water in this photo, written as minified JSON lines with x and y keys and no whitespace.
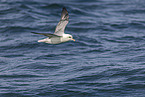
{"x":106,"y":60}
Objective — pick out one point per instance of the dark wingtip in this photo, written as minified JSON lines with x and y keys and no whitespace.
{"x":64,"y":9}
{"x":34,"y":32}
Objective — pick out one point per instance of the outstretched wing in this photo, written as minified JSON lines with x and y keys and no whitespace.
{"x":46,"y":34}
{"x":62,"y":23}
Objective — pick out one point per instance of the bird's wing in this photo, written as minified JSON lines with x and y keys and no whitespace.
{"x":46,"y":34}
{"x":59,"y":30}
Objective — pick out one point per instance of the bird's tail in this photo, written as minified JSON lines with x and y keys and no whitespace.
{"x":43,"y":40}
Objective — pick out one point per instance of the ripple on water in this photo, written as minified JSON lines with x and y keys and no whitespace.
{"x":107,"y":57}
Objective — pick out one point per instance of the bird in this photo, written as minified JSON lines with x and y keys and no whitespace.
{"x":59,"y":36}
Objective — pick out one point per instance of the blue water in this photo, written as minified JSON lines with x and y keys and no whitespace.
{"x":107,"y":59}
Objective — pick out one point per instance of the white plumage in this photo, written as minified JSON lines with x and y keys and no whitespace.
{"x":59,"y":36}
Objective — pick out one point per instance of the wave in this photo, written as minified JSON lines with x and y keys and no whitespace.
{"x":107,"y":57}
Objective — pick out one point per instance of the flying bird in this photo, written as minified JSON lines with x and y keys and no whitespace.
{"x":59,"y":36}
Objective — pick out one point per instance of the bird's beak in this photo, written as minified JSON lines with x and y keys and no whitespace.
{"x":73,"y":39}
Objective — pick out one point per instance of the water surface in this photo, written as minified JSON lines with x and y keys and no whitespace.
{"x":107,"y":59}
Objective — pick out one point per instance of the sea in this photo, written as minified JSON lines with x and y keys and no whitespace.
{"x":106,"y":60}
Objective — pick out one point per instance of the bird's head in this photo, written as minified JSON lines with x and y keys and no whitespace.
{"x":67,"y":37}
{"x":70,"y":37}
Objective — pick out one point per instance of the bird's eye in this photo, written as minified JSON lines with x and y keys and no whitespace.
{"x":69,"y":36}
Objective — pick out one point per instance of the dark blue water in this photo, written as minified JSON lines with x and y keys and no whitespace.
{"x":107,"y":59}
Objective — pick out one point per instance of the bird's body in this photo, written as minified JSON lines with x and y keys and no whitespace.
{"x":59,"y":36}
{"x":56,"y":39}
